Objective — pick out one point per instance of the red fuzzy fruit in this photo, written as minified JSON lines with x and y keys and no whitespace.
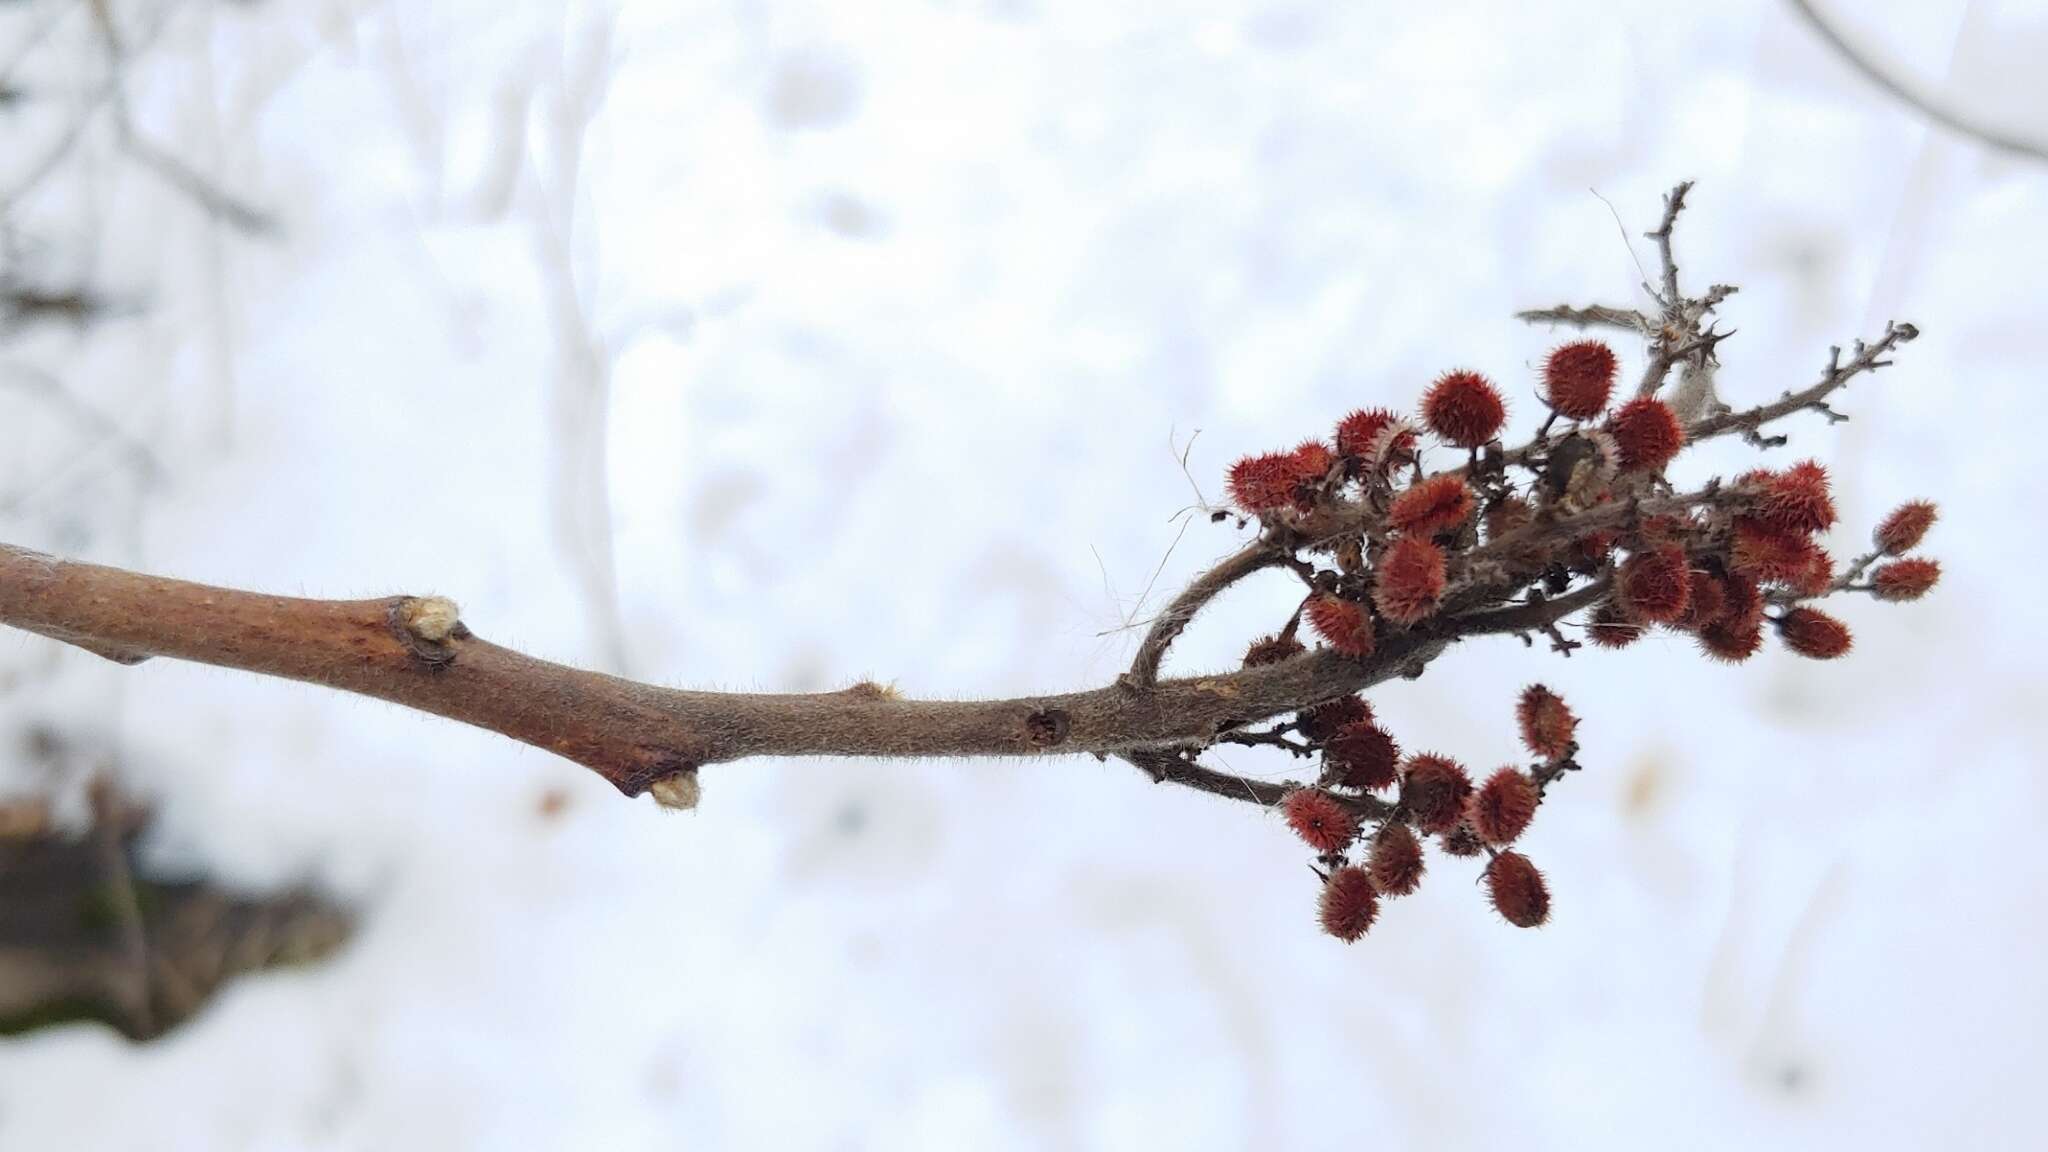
{"x":1517,"y":890}
{"x":1333,"y":716}
{"x":1344,"y":623}
{"x":1813,"y":633}
{"x":1434,"y":790}
{"x":1579,"y":377}
{"x":1902,"y":531}
{"x":1709,"y":600}
{"x":1796,"y":500}
{"x":1376,"y":436}
{"x":1647,"y":434}
{"x":1771,"y":555}
{"x":1320,"y":819}
{"x":1732,"y":641}
{"x":1503,"y":806}
{"x":1745,"y":600}
{"x":1437,"y":504}
{"x":1611,"y":628}
{"x":1349,"y":904}
{"x":1904,"y":579}
{"x":1272,"y":650}
{"x":1409,"y":580}
{"x":1396,"y":861}
{"x":1547,"y":724}
{"x":1460,"y":841}
{"x":1656,"y":585}
{"x":1312,"y":460}
{"x":1816,"y":576}
{"x":1464,"y":408}
{"x":1362,"y":756}
{"x":1262,"y":483}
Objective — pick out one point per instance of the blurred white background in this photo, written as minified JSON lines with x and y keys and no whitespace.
{"x":782,"y":344}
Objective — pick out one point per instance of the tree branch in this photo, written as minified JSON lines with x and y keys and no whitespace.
{"x":1864,"y":358}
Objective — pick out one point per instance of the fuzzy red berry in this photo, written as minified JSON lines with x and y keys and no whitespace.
{"x":1902,"y":531}
{"x":1517,"y":890}
{"x":1709,"y":600}
{"x":1272,"y":650}
{"x":1437,"y":504}
{"x":1795,"y":500}
{"x":1344,"y":623}
{"x":1731,"y":641}
{"x":1322,"y":821}
{"x":1546,"y":722}
{"x":1503,"y":806}
{"x":1312,"y":461}
{"x":1464,"y":408}
{"x":1362,"y":756}
{"x":1409,"y":580}
{"x":1647,"y":434}
{"x":1461,"y":842}
{"x":1610,"y":627}
{"x":1434,"y":789}
{"x":1262,"y":483}
{"x":1770,"y":554}
{"x":1349,"y":904}
{"x":1376,"y":436}
{"x":1816,"y":576}
{"x":1744,"y":600}
{"x":1813,"y":633}
{"x":1904,"y":579}
{"x":1330,"y":717}
{"x":1656,"y":585}
{"x":1579,"y":377}
{"x":1396,"y":861}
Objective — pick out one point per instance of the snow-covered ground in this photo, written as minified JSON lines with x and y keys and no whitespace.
{"x":869,"y":334}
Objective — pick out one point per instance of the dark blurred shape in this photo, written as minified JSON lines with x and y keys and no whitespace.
{"x":86,"y":936}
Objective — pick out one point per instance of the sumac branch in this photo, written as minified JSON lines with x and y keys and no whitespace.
{"x":1575,"y":532}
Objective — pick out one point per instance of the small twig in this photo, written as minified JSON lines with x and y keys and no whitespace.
{"x":1864,"y":358}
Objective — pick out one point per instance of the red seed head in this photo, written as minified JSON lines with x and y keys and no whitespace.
{"x":1362,"y":756}
{"x":1344,"y":623}
{"x":1409,"y":580}
{"x":1732,"y":641}
{"x":1647,"y":434}
{"x":1333,"y":716}
{"x":1547,"y":724}
{"x":1814,"y":578}
{"x":1708,"y":601}
{"x":1797,"y":499}
{"x":1517,"y":890}
{"x":1312,"y":460}
{"x":1272,"y":650}
{"x":1349,"y":904}
{"x":1813,"y":633}
{"x":1904,"y":579}
{"x":1396,"y":861}
{"x":1376,"y":436}
{"x":1769,"y":554}
{"x":1464,"y":408}
{"x":1579,"y":377}
{"x":1503,"y":806}
{"x":1901,"y":532}
{"x":1745,"y":600}
{"x":1460,"y":841}
{"x":1655,"y":585}
{"x":1610,"y":627}
{"x":1437,"y":504}
{"x":1320,"y":819}
{"x":1262,"y":483}
{"x":1434,"y":788}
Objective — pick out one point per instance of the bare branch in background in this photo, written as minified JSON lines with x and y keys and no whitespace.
{"x":1922,"y":102}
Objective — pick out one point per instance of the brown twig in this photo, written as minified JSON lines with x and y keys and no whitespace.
{"x":415,"y":652}
{"x":1864,"y":358}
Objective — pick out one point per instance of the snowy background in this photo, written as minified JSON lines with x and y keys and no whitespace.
{"x":780,"y":345}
